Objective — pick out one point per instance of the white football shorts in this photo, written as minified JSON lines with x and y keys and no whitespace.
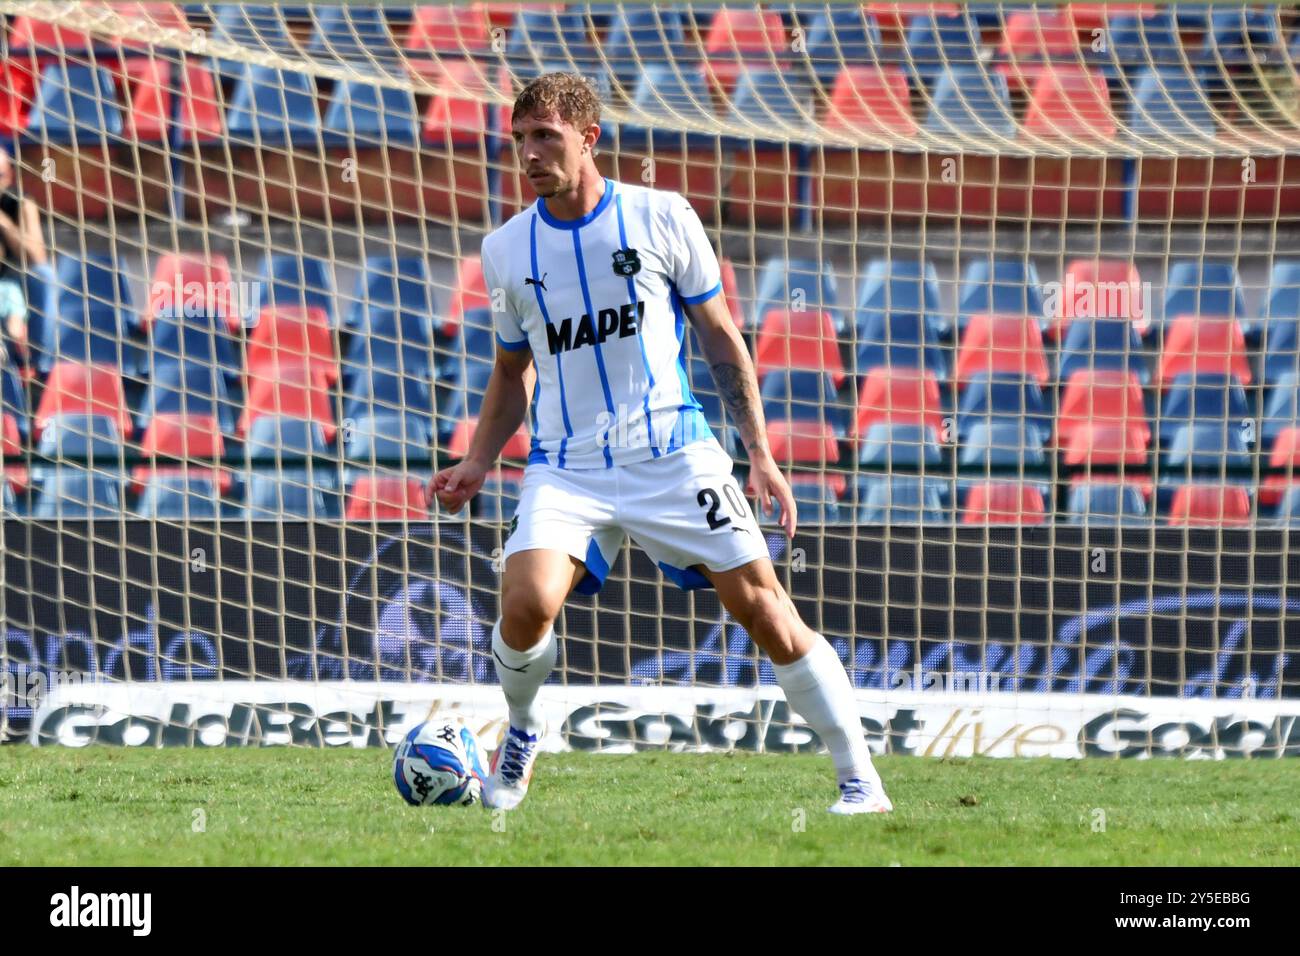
{"x":682,"y":509}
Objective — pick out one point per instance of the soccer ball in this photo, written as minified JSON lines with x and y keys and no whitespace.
{"x":438,"y":763}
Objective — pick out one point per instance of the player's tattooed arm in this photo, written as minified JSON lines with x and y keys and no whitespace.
{"x":738,"y":390}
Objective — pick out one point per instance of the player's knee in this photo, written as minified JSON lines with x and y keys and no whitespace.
{"x":770,"y":625}
{"x":526,"y":616}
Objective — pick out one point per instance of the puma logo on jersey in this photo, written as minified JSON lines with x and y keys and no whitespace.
{"x":529,"y":280}
{"x":624,"y":321}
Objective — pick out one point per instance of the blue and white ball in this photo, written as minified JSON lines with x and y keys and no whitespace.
{"x":438,"y":763}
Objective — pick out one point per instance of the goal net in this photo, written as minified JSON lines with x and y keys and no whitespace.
{"x":1021,"y":283}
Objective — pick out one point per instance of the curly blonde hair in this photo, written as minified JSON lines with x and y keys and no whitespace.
{"x":567,"y":95}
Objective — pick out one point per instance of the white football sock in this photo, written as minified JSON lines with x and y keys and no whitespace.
{"x":818,"y":690}
{"x":522,"y":674}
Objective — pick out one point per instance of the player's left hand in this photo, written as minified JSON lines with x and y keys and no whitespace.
{"x":768,"y":483}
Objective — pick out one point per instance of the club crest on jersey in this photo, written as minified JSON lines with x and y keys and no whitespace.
{"x":627,"y":263}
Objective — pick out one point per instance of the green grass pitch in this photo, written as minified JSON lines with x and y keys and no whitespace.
{"x":280,"y":806}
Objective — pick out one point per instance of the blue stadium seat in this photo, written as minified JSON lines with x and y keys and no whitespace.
{"x":94,"y":315}
{"x":999,"y":287}
{"x":397,"y":343}
{"x":1002,"y":443}
{"x":1288,"y":511}
{"x":814,"y":503}
{"x":1240,"y":35}
{"x":1209,"y":399}
{"x":83,"y":436}
{"x":766,"y":97}
{"x":900,"y":286}
{"x":178,"y":339}
{"x":260,"y":26}
{"x":389,"y":283}
{"x":41,"y":290}
{"x":784,"y":283}
{"x":366,"y":115}
{"x":644,"y":35}
{"x":1203,"y":288}
{"x":66,"y":492}
{"x":281,"y":484}
{"x":498,"y":498}
{"x":13,"y":398}
{"x":973,"y":102}
{"x":381,"y":390}
{"x":89,"y":483}
{"x":668,"y":91}
{"x":272,"y":107}
{"x":900,"y":499}
{"x":1280,"y":328}
{"x":1169,"y":101}
{"x":351,"y":32}
{"x":803,"y":396}
{"x":998,"y":396}
{"x":1102,"y":343}
{"x":839,"y":37}
{"x":1106,"y":503}
{"x":1282,"y":409}
{"x":541,"y":36}
{"x":294,"y":281}
{"x":936,"y":44}
{"x":75,"y":104}
{"x":1138,"y":42}
{"x":174,"y":495}
{"x":1208,"y":444}
{"x":188,"y":388}
{"x":900,"y":445}
{"x":898,"y":340}
{"x":388,"y":436}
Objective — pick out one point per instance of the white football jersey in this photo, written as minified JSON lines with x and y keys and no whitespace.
{"x":599,"y":300}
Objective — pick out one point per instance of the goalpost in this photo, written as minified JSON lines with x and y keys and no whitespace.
{"x":1023,"y":288}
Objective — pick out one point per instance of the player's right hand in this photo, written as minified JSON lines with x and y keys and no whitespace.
{"x":456,"y":485}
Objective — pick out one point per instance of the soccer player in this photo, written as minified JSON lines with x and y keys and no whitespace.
{"x":592,"y":286}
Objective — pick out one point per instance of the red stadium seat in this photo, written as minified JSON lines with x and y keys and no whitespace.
{"x":740,"y":35}
{"x":799,"y":340}
{"x":148,"y":98}
{"x":504,"y":14}
{"x":1032,"y":39}
{"x":186,"y":282}
{"x":1094,"y":16}
{"x":1100,"y":289}
{"x":291,"y":336}
{"x":444,"y":29}
{"x":182,"y":437}
{"x":77,"y":389}
{"x":1286,"y":454}
{"x":1108,"y":443}
{"x":731,"y":291}
{"x":17,"y":91}
{"x":458,"y":112}
{"x":871,"y":99}
{"x":200,"y":105}
{"x":894,"y":16}
{"x":1210,"y":506}
{"x":801,"y":441}
{"x":469,"y":292}
{"x":388,"y":498}
{"x":1206,"y":345}
{"x":1073,"y":101}
{"x":994,"y":502}
{"x":288,"y":390}
{"x":517,"y":447}
{"x":11,"y":444}
{"x":1002,"y":343}
{"x":1094,"y":395}
{"x":899,"y":396}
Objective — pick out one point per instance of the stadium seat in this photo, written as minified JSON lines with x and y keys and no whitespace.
{"x":77,"y":389}
{"x":171,"y":438}
{"x":815,"y":502}
{"x":13,"y":401}
{"x":900,"y":499}
{"x":1101,"y":344}
{"x":272,"y":107}
{"x":1282,"y":410}
{"x":86,"y":482}
{"x":288,"y":390}
{"x":802,"y":441}
{"x":32,"y":37}
{"x":191,"y":284}
{"x":900,"y":285}
{"x":1206,"y":399}
{"x":1002,"y":344}
{"x":1100,"y":289}
{"x":795,"y":394}
{"x":1201,"y":346}
{"x":365,"y":115}
{"x":841,"y":39}
{"x":1070,"y":100}
{"x":192,"y":338}
{"x":296,"y":281}
{"x":731,"y":293}
{"x":396,"y":436}
{"x":1243,"y":36}
{"x":17,"y":93}
{"x":1280,"y":326}
{"x":1004,"y":503}
{"x":1288,"y":512}
{"x":1087,"y":16}
{"x":397,"y":343}
{"x":1208,"y":445}
{"x":798,"y":340}
{"x":939,"y":42}
{"x":387,"y":283}
{"x":969,"y":101}
{"x":447,"y":30}
{"x":1031,"y":40}
{"x":388,"y":498}
{"x":1139,"y":42}
{"x":1210,"y":506}
{"x":1002,"y":443}
{"x":189,"y":389}
{"x":517,"y":447}
{"x":990,"y":397}
{"x":666,"y":91}
{"x":900,"y":397}
{"x":66,"y":492}
{"x":871,"y":99}
{"x":802,"y":284}
{"x":898,"y":340}
{"x":1170,"y":102}
{"x":76,"y":104}
{"x":351,"y":32}
{"x":94,"y":317}
{"x":147,"y":96}
{"x":468,"y":292}
{"x":645,"y":35}
{"x":767,"y":98}
{"x":259,"y":26}
{"x":1106,"y":503}
{"x":1199,"y":287}
{"x":459,"y":114}
{"x":282,"y":483}
{"x":998,"y":287}
{"x":549,"y":36}
{"x":175,"y":496}
{"x":740,"y":37}
{"x":1108,"y":442}
{"x":291,"y":335}
{"x":1096,"y":395}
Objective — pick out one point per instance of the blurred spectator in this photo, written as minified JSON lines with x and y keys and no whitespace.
{"x":22,"y":247}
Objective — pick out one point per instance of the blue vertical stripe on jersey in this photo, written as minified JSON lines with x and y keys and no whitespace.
{"x":559,"y":369}
{"x":600,"y":361}
{"x":650,"y":376}
{"x":536,"y":454}
{"x":689,"y":423}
